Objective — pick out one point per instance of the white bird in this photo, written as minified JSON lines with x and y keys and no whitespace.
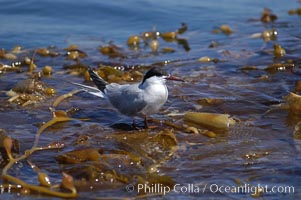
{"x":144,"y":98}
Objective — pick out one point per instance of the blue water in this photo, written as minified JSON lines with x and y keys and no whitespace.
{"x":35,"y":23}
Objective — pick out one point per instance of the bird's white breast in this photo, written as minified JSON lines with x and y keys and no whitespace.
{"x":155,"y":94}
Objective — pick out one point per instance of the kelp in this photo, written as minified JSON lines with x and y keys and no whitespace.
{"x":266,"y":35}
{"x":225,"y":29}
{"x":267,"y":16}
{"x":112,"y":74}
{"x":79,"y":156}
{"x":46,"y":52}
{"x":297,"y":131}
{"x":113,"y":51}
{"x":294,"y":103}
{"x":67,"y":186}
{"x":13,"y":148}
{"x":210,"y":120}
{"x":152,"y":39}
{"x":30,"y":92}
{"x":155,"y":148}
{"x":58,"y":100}
{"x":44,"y":188}
{"x":110,"y":169}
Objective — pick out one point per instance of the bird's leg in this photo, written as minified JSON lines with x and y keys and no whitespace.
{"x":146,"y":126}
{"x":145,"y":122}
{"x":135,"y":126}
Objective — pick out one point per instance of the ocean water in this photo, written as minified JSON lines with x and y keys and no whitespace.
{"x":260,"y":150}
{"x":35,"y":23}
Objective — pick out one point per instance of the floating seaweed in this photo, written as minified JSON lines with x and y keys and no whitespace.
{"x":133,"y":41}
{"x":225,"y":29}
{"x":294,"y":103}
{"x":30,"y":91}
{"x":211,"y":120}
{"x":278,"y":67}
{"x":267,"y":16}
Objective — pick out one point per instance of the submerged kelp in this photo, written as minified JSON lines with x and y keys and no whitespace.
{"x":101,"y":167}
{"x":234,"y":122}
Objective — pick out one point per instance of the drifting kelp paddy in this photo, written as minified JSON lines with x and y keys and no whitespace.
{"x":234,"y":122}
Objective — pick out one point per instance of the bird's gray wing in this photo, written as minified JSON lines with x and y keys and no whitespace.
{"x":127,"y":99}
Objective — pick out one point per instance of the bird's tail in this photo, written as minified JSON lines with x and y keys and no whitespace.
{"x":98,"y":81}
{"x":91,"y":90}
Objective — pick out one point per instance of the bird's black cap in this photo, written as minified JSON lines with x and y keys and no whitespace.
{"x":155,"y":71}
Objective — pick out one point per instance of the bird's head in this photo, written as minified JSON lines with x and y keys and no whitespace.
{"x":159,"y":74}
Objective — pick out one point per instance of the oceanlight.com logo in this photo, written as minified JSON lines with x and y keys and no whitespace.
{"x":251,"y":189}
{"x":210,"y":188}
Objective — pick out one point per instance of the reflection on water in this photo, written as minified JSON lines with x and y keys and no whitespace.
{"x":259,"y":149}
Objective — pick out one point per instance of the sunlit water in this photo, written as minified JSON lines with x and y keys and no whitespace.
{"x":250,"y":96}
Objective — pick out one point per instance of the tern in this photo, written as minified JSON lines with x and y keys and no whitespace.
{"x":138,"y":99}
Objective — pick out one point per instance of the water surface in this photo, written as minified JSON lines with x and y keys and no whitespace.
{"x":260,"y":149}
